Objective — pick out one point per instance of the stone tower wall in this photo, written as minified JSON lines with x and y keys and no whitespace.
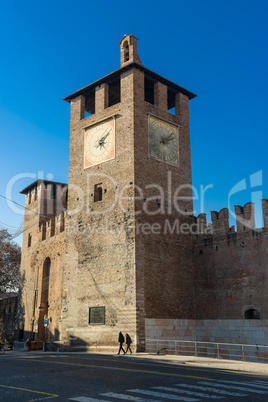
{"x":100,"y":258}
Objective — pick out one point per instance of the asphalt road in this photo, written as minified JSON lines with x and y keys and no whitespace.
{"x":91,"y":377}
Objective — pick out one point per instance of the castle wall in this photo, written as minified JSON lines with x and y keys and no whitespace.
{"x":248,"y":332}
{"x":231,"y":267}
{"x":220,"y":333}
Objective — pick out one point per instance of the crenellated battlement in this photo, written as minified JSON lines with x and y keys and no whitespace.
{"x":52,"y":227}
{"x":220,"y":220}
{"x":245,"y":220}
{"x":264,"y":203}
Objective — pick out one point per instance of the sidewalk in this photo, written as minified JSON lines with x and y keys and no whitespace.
{"x":208,"y":362}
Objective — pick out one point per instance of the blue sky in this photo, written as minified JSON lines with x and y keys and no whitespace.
{"x":215,"y":49}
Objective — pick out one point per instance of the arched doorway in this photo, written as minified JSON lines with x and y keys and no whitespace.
{"x":252,"y":314}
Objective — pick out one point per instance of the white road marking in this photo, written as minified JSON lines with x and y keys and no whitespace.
{"x":202,"y":386}
{"x":129,"y":397}
{"x":256,"y":391}
{"x":184,"y":391}
{"x":246,"y":383}
{"x":161,"y":395}
{"x":215,"y":390}
{"x":85,"y":399}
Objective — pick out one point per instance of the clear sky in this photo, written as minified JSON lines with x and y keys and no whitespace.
{"x":216,"y":49}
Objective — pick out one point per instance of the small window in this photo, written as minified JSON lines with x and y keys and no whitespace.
{"x":29,"y":197}
{"x":29,"y":240}
{"x":252,"y":314}
{"x":98,"y":192}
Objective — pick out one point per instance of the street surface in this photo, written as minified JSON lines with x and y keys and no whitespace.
{"x":98,"y":377}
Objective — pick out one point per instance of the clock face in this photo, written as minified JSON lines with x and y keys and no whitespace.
{"x":99,"y":143}
{"x":163,"y":141}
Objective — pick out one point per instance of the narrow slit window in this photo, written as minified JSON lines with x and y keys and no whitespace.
{"x":29,"y":240}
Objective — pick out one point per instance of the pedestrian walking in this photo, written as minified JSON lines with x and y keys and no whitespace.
{"x":121,"y":340}
{"x":128,"y":342}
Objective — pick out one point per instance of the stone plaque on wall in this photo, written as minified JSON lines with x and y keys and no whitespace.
{"x":96,"y":316}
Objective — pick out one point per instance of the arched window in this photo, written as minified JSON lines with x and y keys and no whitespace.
{"x":252,"y":314}
{"x":126,"y":51}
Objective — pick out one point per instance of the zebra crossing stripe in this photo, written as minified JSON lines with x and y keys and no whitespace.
{"x":246,"y":389}
{"x":208,"y":389}
{"x":128,"y":397}
{"x":85,"y":399}
{"x":246,"y":383}
{"x":161,"y":395}
{"x":184,"y":391}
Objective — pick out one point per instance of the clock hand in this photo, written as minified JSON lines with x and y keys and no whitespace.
{"x":101,"y":142}
{"x":167,"y":139}
{"x":103,"y":138}
{"x":170,"y":137}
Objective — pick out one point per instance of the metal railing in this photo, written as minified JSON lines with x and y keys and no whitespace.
{"x":208,"y":349}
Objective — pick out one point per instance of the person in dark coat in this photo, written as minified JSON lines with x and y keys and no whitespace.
{"x":121,"y":340}
{"x":128,"y":342}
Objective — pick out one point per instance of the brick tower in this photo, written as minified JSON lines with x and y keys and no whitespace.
{"x":43,"y":255}
{"x":129,"y":195}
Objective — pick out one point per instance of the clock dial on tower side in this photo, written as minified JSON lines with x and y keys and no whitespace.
{"x":163,"y":141}
{"x":99,"y":143}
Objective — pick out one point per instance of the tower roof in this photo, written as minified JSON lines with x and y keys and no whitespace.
{"x":115,"y":74}
{"x":39,"y":181}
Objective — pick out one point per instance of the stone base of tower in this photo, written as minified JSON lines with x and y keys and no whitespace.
{"x":104,"y":338}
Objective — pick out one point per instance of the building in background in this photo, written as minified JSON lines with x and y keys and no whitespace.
{"x":8,"y":315}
